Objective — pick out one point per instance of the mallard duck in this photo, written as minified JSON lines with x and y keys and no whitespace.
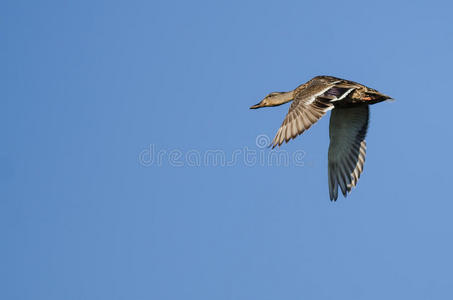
{"x":349,"y":102}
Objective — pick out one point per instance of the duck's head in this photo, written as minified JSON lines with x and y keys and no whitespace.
{"x":274,"y":99}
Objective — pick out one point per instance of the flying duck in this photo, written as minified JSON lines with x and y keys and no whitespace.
{"x":349,"y":102}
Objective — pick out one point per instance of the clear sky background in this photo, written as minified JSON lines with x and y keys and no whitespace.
{"x":90,"y":88}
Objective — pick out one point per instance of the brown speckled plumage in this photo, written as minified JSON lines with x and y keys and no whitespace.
{"x":350,"y":102}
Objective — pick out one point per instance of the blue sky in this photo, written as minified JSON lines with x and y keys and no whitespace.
{"x":89,"y":86}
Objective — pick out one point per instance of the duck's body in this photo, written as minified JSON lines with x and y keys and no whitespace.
{"x":348,"y":123}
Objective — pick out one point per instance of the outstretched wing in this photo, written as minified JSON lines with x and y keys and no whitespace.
{"x":307,"y":108}
{"x":347,"y":131}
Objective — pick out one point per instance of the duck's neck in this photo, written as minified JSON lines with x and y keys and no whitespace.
{"x":282,"y":98}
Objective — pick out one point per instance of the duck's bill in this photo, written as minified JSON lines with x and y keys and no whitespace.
{"x":258,"y":105}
